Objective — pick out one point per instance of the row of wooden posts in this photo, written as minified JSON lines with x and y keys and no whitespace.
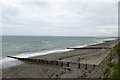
{"x":91,"y":48}
{"x":57,"y":63}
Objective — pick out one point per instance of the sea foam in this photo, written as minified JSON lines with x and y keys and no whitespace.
{"x":9,"y":62}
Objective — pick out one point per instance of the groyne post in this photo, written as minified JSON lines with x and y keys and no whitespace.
{"x":86,"y":66}
{"x":52,"y":62}
{"x":28,"y":59}
{"x":46,"y":62}
{"x":35,"y":60}
{"x":94,"y":66}
{"x":78,"y":65}
{"x":41,"y":61}
{"x":49,"y":62}
{"x":68,"y":64}
{"x":56,"y":62}
{"x":23,"y":58}
{"x":62,"y":64}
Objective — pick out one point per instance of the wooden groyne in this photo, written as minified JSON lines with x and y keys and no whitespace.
{"x":91,"y":48}
{"x":59,"y":63}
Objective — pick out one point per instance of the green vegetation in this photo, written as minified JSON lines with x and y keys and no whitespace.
{"x":110,"y":56}
{"x":116,"y":65}
{"x":116,"y":72}
{"x":113,"y":66}
{"x":105,"y":73}
{"x":117,"y":49}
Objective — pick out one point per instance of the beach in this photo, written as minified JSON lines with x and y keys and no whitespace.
{"x":84,"y":56}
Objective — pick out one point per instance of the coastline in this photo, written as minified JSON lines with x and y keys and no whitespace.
{"x":83,"y":56}
{"x":73,"y":54}
{"x":6,"y":61}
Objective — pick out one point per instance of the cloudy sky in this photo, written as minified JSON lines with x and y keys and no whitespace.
{"x":59,"y":17}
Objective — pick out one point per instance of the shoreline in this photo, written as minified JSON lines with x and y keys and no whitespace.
{"x":83,"y":56}
{"x":73,"y":55}
{"x":36,"y":54}
{"x":53,"y":52}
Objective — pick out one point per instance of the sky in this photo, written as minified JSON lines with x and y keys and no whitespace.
{"x":59,"y":17}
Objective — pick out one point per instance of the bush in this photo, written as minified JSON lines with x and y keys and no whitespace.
{"x":105,"y":71}
{"x":116,"y":65}
{"x":105,"y":77}
{"x":110,"y":56}
{"x":109,"y":64}
{"x":116,"y":74}
{"x":117,"y":49}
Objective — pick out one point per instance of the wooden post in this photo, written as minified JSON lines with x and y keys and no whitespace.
{"x":52,"y":62}
{"x":21,"y":59}
{"x":25,"y":59}
{"x":35,"y":60}
{"x":41,"y":61}
{"x":62,"y":64}
{"x":28,"y":59}
{"x":56,"y":62}
{"x":86,"y":66}
{"x":78,"y":65}
{"x":68,"y":64}
{"x":46,"y":61}
{"x":94,"y":66}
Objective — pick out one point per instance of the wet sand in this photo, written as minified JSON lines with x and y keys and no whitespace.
{"x":36,"y":70}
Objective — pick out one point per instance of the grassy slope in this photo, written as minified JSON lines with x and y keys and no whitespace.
{"x":113,"y":65}
{"x":116,"y":65}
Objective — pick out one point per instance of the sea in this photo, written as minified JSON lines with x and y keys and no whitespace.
{"x":31,"y":46}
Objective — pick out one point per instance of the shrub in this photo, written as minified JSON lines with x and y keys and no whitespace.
{"x":110,"y":56}
{"x":116,"y":74}
{"x":109,"y":64}
{"x":117,"y":49}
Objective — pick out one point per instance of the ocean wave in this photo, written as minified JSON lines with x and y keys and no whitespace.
{"x":42,"y":53}
{"x":79,"y":46}
{"x":9,"y":62}
{"x":109,"y":39}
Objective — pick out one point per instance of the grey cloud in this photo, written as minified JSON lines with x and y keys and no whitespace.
{"x":9,"y":12}
{"x":10,"y":16}
{"x":75,"y":19}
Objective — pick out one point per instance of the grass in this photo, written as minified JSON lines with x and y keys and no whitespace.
{"x":110,"y":56}
{"x":117,"y":49}
{"x":110,"y":59}
{"x":109,"y":65}
{"x":116,"y":72}
{"x":114,"y":66}
{"x":105,"y":71}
